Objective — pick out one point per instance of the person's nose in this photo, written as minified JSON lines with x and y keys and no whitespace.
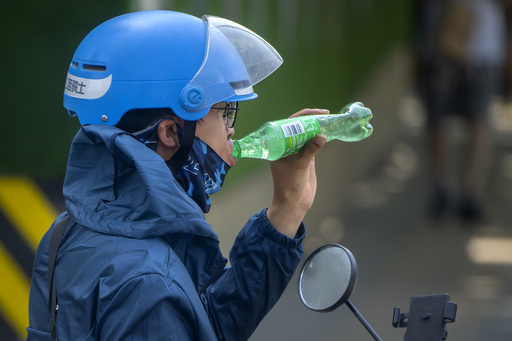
{"x":231,"y":132}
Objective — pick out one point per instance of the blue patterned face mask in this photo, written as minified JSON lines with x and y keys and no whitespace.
{"x":201,"y":175}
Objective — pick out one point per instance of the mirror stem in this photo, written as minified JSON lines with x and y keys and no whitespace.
{"x":363,"y":321}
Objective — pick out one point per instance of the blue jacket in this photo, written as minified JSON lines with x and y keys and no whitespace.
{"x":138,"y":261}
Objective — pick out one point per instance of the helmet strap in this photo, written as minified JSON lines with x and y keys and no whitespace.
{"x":181,"y":155}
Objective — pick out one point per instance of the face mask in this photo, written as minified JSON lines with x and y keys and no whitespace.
{"x":201,"y":175}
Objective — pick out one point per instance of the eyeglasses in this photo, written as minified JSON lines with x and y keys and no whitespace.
{"x":229,"y":113}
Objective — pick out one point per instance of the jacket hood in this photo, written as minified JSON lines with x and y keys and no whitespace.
{"x":116,"y":185}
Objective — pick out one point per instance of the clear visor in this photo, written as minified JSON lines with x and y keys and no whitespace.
{"x":235,"y":60}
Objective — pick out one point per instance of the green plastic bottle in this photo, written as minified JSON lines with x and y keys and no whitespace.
{"x":277,"y":139}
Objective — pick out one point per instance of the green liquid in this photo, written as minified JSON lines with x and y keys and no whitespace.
{"x":277,"y":139}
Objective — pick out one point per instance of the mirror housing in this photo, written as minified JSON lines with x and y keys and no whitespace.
{"x":327,"y":278}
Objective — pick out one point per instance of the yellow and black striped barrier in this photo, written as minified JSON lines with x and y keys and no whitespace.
{"x":26,"y":213}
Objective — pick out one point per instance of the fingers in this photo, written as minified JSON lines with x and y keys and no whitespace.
{"x":305,"y":112}
{"x":313,"y":146}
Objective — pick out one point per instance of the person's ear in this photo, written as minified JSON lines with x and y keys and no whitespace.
{"x":168,"y":134}
{"x":168,"y":139}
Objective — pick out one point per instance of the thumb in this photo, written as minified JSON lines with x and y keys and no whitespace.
{"x":314,"y":145}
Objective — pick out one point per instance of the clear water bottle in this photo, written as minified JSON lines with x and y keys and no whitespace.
{"x":277,"y":139}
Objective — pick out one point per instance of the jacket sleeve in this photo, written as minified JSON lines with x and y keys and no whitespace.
{"x":149,"y":307}
{"x":39,"y":316}
{"x":262,"y":263}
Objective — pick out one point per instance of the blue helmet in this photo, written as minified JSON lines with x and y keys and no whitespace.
{"x":164,"y":59}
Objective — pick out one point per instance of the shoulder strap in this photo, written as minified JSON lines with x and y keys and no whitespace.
{"x":55,"y":239}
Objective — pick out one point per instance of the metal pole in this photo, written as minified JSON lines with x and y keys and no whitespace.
{"x":363,"y":321}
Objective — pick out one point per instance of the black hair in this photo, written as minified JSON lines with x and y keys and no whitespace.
{"x":138,"y":119}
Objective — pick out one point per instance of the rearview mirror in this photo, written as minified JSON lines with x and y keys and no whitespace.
{"x":327,"y":278}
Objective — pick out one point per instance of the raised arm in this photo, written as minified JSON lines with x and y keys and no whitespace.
{"x":294,"y":181}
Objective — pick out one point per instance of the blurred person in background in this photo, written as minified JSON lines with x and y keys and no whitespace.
{"x":461,"y":55}
{"x":157,"y":95}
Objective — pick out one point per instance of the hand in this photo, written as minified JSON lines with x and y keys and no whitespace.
{"x":294,"y":180}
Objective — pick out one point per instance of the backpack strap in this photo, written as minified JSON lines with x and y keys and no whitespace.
{"x":57,"y":233}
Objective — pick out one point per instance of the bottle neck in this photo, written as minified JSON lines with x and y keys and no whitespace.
{"x":237,"y":151}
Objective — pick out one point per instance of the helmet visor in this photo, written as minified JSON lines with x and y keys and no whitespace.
{"x":235,"y":60}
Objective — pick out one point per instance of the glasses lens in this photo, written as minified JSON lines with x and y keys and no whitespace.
{"x":230,"y":112}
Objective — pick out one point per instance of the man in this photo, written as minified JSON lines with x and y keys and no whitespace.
{"x":461,"y":54}
{"x":157,"y":95}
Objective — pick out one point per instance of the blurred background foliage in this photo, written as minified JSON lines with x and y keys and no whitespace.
{"x":329,"y":47}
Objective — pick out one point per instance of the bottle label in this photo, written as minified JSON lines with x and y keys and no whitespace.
{"x":298,"y":131}
{"x":293,"y":129}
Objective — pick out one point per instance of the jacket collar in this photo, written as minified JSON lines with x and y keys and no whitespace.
{"x":116,"y":185}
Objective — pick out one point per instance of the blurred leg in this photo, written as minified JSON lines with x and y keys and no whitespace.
{"x":442,"y":199}
{"x":477,"y":160}
{"x":478,"y":156}
{"x":438,"y":149}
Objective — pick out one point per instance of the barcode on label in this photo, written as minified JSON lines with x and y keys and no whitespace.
{"x":292,"y":129}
